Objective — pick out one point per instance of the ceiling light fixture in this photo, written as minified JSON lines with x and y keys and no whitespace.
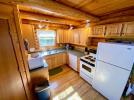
{"x":40,"y":26}
{"x":71,"y":27}
{"x":87,"y":23}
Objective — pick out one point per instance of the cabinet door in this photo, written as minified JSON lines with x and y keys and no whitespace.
{"x":64,"y":57}
{"x":76,"y":36}
{"x":59,"y":59}
{"x":128,"y":29}
{"x":28,"y":33}
{"x":65,"y":36}
{"x":11,"y":86}
{"x":71,"y":36}
{"x":83,"y":36}
{"x":113,"y":29}
{"x":53,"y":61}
{"x":49,"y":62}
{"x":60,"y":36}
{"x":98,"y":31}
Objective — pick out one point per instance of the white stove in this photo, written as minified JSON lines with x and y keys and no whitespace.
{"x":87,"y":67}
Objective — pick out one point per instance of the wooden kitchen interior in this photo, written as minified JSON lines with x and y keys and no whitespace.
{"x":78,"y":23}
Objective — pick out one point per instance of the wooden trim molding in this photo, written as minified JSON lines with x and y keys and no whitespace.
{"x":25,"y":73}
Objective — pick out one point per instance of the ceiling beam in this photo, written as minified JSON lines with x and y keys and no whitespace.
{"x":44,"y":24}
{"x":119,"y":13}
{"x":50,"y":7}
{"x":46,"y":18}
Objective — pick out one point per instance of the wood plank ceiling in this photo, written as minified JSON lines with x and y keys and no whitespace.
{"x":98,"y":7}
{"x":71,"y":12}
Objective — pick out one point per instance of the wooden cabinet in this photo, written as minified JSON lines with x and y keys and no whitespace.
{"x":71,"y":38}
{"x":60,"y":59}
{"x":114,"y":29}
{"x":28,"y":33}
{"x":65,"y":36}
{"x":128,"y":29}
{"x":59,"y":36}
{"x":50,"y":61}
{"x":56,"y":60}
{"x":62,"y":36}
{"x":76,"y":36}
{"x":84,"y":32}
{"x":98,"y":31}
{"x":64,"y":57}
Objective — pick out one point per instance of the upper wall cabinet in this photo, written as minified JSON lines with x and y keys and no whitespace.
{"x":98,"y":31}
{"x":84,"y":32}
{"x":70,"y":36}
{"x":128,"y":29}
{"x":29,"y":34}
{"x":62,"y":36}
{"x":113,"y":29}
{"x":65,"y":36}
{"x":76,"y":36}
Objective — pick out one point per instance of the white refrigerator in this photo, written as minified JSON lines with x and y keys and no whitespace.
{"x":114,"y":62}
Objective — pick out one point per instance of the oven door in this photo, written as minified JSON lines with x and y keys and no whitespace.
{"x":86,"y":69}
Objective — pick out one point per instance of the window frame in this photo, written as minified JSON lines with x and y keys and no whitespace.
{"x":55,"y":44}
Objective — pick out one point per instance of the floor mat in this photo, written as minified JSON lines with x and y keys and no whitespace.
{"x":55,"y":71}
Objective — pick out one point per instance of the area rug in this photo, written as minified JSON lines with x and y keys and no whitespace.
{"x":55,"y":71}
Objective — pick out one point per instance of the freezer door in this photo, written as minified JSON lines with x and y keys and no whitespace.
{"x":109,"y":80}
{"x":116,"y":54}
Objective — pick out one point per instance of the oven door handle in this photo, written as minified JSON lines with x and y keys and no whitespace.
{"x":93,"y":65}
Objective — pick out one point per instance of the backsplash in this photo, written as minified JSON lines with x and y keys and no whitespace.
{"x":82,"y":49}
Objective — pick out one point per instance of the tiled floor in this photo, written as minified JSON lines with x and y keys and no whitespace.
{"x":67,"y":85}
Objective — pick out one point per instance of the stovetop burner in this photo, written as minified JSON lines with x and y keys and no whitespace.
{"x":91,"y":58}
{"x":88,"y":57}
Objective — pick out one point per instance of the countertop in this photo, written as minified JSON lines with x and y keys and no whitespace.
{"x":55,"y":51}
{"x":76,"y":53}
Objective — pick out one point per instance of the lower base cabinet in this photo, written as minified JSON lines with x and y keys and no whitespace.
{"x":56,"y":60}
{"x":60,"y":59}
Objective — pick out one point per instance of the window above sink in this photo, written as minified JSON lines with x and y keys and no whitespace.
{"x":46,"y":37}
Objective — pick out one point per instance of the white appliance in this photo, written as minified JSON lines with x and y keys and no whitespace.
{"x":87,"y":67}
{"x":73,"y":61}
{"x":114,"y":62}
{"x":35,"y":62}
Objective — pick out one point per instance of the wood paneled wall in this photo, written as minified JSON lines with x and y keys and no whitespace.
{"x":13,"y":72}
